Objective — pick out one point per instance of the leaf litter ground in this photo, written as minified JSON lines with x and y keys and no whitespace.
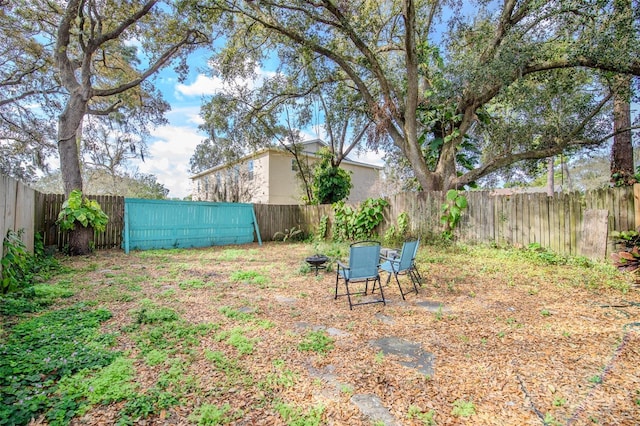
{"x":516,"y":343}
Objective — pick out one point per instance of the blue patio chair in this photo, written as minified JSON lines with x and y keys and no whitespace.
{"x":404,"y":263}
{"x":364,"y":259}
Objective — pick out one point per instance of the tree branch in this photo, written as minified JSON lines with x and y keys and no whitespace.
{"x":191,"y":38}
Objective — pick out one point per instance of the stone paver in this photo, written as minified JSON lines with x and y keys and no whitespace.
{"x":371,"y":406}
{"x":432,"y":306}
{"x":412,"y":353}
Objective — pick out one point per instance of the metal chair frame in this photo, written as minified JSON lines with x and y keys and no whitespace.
{"x":364,"y":260}
{"x":404,"y":264}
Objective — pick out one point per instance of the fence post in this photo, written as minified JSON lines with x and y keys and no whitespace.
{"x":636,"y":205}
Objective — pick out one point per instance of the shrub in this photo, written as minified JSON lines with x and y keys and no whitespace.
{"x":79,"y":209}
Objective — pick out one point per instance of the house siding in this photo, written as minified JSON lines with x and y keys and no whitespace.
{"x":274,"y":182}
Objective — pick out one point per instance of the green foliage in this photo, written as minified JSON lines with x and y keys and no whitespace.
{"x":280,"y":378}
{"x":15,"y":263}
{"x":462,"y":408}
{"x":110,"y":384}
{"x":330,"y":184}
{"x":79,"y":209}
{"x":39,"y":352}
{"x":543,"y":256}
{"x":323,"y":227}
{"x":550,"y":420}
{"x":297,"y":417}
{"x":416,"y":413}
{"x":629,"y":239}
{"x":211,"y":415}
{"x":559,"y":402}
{"x":155,"y":357}
{"x":235,"y":314}
{"x":20,"y":268}
{"x":288,"y":234}
{"x":317,"y":341}
{"x":251,"y":277}
{"x":150,"y":314}
{"x":452,"y":209}
{"x":358,"y":224}
{"x":237,"y":339}
{"x":397,"y":234}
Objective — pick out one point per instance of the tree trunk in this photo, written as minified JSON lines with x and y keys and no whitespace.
{"x":550,"y":177}
{"x":622,"y":170}
{"x":80,"y":240}
{"x":68,"y":124}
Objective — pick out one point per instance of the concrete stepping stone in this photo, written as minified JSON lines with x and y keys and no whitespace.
{"x":285,"y":299}
{"x":331,"y":331}
{"x":385,"y":319}
{"x":432,"y":306}
{"x":371,"y":406}
{"x":412,"y":354}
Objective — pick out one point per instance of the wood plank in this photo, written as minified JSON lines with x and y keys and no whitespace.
{"x":594,"y":233}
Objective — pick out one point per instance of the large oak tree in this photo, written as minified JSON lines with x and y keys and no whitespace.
{"x":96,"y":57}
{"x":424,"y":73}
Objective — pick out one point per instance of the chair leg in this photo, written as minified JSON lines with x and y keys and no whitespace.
{"x":346,"y":284}
{"x":413,"y":281}
{"x":399,"y":286}
{"x":384,"y":302}
{"x":417,"y":274}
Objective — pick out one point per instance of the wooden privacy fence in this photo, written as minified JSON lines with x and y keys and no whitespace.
{"x":523,"y":219}
{"x":17,"y":206}
{"x":513,"y":219}
{"x":274,"y":218}
{"x":157,"y":224}
{"x":49,"y":205}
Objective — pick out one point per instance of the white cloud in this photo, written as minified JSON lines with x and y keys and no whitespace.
{"x":207,"y":86}
{"x":169,"y":158}
{"x":202,"y":86}
{"x":185,"y":114}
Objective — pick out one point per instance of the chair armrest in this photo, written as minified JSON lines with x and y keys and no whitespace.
{"x":393,"y":259}
{"x":390,"y":253}
{"x":341,"y":265}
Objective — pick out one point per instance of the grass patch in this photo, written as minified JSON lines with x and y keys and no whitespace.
{"x":462,"y":408}
{"x":211,"y":415}
{"x":41,"y":351}
{"x":294,"y":416}
{"x":237,"y":339}
{"x":249,"y":277}
{"x":316,"y":341}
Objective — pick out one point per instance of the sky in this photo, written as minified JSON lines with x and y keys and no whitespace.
{"x":172,"y":145}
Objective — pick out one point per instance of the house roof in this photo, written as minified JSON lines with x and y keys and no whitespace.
{"x":305,"y":144}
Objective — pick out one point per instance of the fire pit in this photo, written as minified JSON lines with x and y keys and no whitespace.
{"x":317,"y":261}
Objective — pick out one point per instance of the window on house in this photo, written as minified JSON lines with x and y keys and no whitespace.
{"x":250,"y":170}
{"x":294,"y":165}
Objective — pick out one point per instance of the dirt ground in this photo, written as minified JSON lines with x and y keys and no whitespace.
{"x":521,"y":344}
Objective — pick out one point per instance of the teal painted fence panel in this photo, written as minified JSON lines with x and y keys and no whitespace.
{"x":163,"y":224}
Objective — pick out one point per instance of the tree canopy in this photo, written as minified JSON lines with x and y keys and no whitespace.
{"x":429,"y":74}
{"x":69,"y":60}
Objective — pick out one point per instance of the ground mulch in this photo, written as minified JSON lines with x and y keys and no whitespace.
{"x":526,"y":345}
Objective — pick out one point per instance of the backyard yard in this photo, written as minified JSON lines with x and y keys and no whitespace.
{"x":249,"y":335}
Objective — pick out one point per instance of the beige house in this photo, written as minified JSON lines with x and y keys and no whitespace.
{"x":269,"y":176}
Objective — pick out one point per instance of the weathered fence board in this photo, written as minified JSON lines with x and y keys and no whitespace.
{"x":17,"y":206}
{"x":111,"y":237}
{"x":157,"y":224}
